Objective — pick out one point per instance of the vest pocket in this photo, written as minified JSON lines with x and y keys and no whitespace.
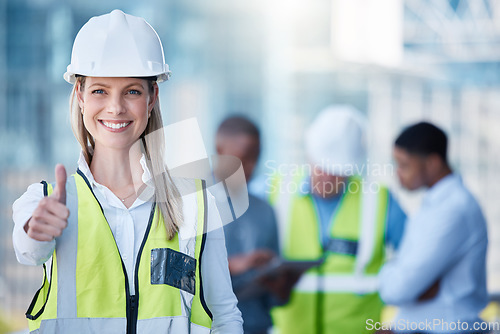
{"x":173,"y":268}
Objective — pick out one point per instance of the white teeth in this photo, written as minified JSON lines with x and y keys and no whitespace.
{"x":115,"y":125}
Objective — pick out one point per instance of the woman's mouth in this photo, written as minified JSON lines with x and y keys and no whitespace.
{"x":115,"y":125}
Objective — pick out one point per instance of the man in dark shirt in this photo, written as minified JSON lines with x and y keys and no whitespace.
{"x":252,"y":239}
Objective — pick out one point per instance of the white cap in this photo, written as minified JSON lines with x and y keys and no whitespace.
{"x":117,"y":45}
{"x":335,"y":141}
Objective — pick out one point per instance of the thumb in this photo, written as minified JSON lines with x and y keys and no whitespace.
{"x":60,"y":189}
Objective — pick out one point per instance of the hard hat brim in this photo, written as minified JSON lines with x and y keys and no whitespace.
{"x":71,"y":77}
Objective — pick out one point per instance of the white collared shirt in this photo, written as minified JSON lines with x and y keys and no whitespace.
{"x":128,"y":226}
{"x":445,"y":240}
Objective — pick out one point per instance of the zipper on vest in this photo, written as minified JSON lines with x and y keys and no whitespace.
{"x":132,"y":315}
{"x":133,"y":300}
{"x":131,"y":327}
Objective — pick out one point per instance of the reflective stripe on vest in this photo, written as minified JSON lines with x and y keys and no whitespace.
{"x":336,"y":283}
{"x":338,"y":296}
{"x":116,"y":326}
{"x":92,"y":294}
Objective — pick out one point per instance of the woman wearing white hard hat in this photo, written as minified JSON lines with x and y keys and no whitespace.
{"x":127,"y":251}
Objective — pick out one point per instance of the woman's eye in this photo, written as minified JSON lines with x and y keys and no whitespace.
{"x":134,"y":92}
{"x":98,"y":91}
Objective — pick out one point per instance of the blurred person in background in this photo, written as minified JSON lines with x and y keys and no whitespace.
{"x":337,"y":216}
{"x":439,"y":271}
{"x":252,"y":239}
{"x":126,"y":242}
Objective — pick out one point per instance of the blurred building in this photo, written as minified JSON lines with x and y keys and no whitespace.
{"x":441,"y":64}
{"x":279,"y":62}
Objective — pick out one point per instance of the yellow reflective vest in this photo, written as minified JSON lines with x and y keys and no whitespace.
{"x":88,"y":289}
{"x":340,"y":295}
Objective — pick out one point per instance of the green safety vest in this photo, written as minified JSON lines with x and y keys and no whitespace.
{"x":88,"y":289}
{"x":338,"y":296}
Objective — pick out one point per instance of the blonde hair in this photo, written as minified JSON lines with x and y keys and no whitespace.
{"x":167,"y":196}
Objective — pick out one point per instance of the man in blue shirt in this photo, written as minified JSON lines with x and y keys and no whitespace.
{"x":252,"y":239}
{"x":438,"y":278}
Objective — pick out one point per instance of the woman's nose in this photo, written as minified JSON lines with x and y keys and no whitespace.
{"x":116,"y":105}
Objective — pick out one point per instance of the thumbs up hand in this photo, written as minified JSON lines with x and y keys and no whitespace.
{"x":50,"y":217}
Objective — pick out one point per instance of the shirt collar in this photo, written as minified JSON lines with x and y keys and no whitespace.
{"x":442,"y":188}
{"x":146,"y":175}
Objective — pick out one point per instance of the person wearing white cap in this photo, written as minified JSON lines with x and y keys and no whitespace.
{"x":337,"y":217}
{"x":127,"y":246}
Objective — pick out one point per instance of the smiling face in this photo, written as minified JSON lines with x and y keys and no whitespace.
{"x":116,"y":110}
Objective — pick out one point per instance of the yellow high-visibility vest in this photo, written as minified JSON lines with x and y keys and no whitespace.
{"x":340,"y":295}
{"x":88,"y":289}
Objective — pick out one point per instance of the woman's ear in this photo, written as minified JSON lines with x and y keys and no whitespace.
{"x":79,"y":94}
{"x":153,"y":98}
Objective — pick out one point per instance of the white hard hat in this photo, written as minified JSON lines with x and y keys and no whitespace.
{"x":117,"y":45}
{"x":335,"y":141}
